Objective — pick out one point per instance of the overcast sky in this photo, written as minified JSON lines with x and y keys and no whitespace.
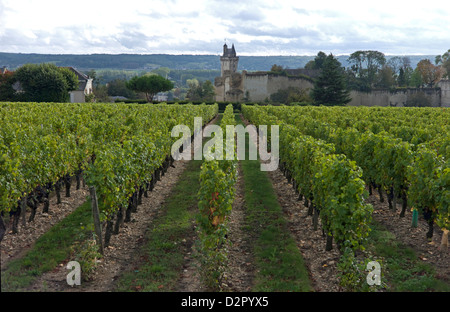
{"x":202,"y":26}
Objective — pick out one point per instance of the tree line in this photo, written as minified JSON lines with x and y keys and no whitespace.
{"x":367,"y":70}
{"x":371,"y":69}
{"x":49,"y":83}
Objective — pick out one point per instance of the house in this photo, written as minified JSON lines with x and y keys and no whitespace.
{"x":84,"y":87}
{"x":76,"y":96}
{"x":161,"y":97}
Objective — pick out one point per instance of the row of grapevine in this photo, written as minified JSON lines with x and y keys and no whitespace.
{"x":418,"y":173}
{"x":216,"y":196}
{"x":329,"y":181}
{"x":119,"y":149}
{"x":413,"y":125}
{"x":39,"y":147}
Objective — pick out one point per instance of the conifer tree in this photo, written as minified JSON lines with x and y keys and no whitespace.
{"x":330,"y":88}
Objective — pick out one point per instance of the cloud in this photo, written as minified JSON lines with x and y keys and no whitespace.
{"x":201,"y":26}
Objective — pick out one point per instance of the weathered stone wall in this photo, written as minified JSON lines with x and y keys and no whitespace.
{"x":276,"y":83}
{"x":396,"y":98}
{"x":445,"y":92}
{"x":257,"y":87}
{"x":219,"y":88}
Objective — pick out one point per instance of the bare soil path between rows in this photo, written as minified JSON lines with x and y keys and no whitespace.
{"x":13,"y":246}
{"x":119,"y":254}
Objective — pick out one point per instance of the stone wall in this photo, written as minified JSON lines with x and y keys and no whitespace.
{"x":276,"y":83}
{"x":397,"y":98}
{"x":258,"y":86}
{"x":445,"y":92}
{"x":219,"y":88}
{"x":255,"y":86}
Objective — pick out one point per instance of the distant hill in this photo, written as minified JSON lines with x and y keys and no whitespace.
{"x":152,"y":61}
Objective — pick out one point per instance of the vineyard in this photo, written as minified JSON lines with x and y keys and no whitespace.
{"x":400,"y":153}
{"x":196,"y":225}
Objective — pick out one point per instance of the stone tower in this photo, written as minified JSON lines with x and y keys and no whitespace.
{"x":228,"y":86}
{"x":228,"y":61}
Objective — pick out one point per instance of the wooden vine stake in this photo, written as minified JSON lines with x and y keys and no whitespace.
{"x":444,"y":241}
{"x":96,"y":215}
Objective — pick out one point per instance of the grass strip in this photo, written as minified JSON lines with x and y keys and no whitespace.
{"x":403,"y":270}
{"x":162,"y":256}
{"x":49,"y":250}
{"x":280,"y":266}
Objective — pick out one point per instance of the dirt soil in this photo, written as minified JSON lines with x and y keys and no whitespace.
{"x":238,"y":276}
{"x":240,"y":269}
{"x":322,"y":264}
{"x":415,"y":238}
{"x":119,"y":254}
{"x":14,"y":245}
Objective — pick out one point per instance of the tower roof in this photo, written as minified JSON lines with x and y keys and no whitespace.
{"x":229,"y":52}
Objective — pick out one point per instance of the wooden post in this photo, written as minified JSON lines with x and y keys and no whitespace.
{"x":96,"y":215}
{"x":2,"y":228}
{"x":23,"y":210}
{"x":444,"y":241}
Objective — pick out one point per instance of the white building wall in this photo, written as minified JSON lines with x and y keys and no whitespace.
{"x":77,"y":97}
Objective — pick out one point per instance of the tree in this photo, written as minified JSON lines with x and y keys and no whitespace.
{"x":7,"y":92}
{"x":366,"y":65}
{"x":401,"y":71}
{"x":402,"y":79}
{"x":278,"y":70}
{"x":318,"y":61}
{"x":162,"y":71}
{"x":209,"y":92}
{"x":46,"y":82}
{"x":431,"y":74}
{"x":405,"y":72}
{"x":117,"y":87}
{"x":330,"y":87}
{"x":150,"y":85}
{"x":100,"y":94}
{"x":386,"y":77}
{"x":290,"y":95}
{"x":200,"y":91}
{"x":416,"y":79}
{"x":395,"y":63}
{"x":444,"y":62}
